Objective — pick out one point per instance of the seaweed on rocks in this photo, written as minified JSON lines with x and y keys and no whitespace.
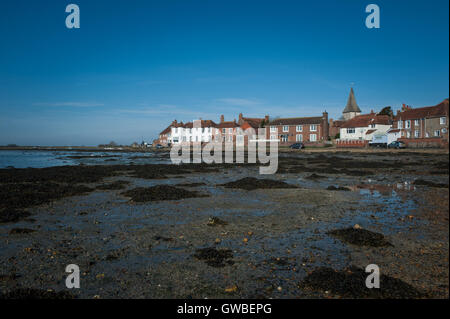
{"x":160,"y":193}
{"x":251,"y":183}
{"x":360,"y":237}
{"x":351,"y":283}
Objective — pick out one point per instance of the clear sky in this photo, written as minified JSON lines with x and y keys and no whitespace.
{"x":134,"y":66}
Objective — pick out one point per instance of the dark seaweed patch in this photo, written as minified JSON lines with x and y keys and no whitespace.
{"x":215,"y":257}
{"x":421,"y":182}
{"x":360,"y":237}
{"x":114,"y":185}
{"x":338,"y":188}
{"x":350,"y":283}
{"x":251,"y":183}
{"x":159,"y":193}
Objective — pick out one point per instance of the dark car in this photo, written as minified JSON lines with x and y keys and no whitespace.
{"x":297,"y":146}
{"x":397,"y":144}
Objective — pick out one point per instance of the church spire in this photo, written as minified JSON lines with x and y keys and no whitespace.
{"x":351,"y":103}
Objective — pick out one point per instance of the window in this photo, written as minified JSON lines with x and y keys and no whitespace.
{"x":203,"y":130}
{"x":285,"y":128}
{"x":427,"y":134}
{"x":416,"y":122}
{"x":437,"y":133}
{"x":400,"y":124}
{"x":408,"y":134}
{"x":313,"y":128}
{"x":196,"y":138}
{"x":184,"y":138}
{"x":299,"y":138}
{"x":230,"y":130}
{"x":224,"y":130}
{"x":443,"y":120}
{"x":273,"y":129}
{"x":351,"y":130}
{"x":372,"y":125}
{"x":416,"y":134}
{"x":299,"y":128}
{"x":313,"y":137}
{"x":408,"y":124}
{"x":273,"y":137}
{"x":230,"y":138}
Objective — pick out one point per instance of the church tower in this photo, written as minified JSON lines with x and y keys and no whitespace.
{"x":351,"y":109}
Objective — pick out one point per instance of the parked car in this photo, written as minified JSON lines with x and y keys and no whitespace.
{"x":158,"y":146}
{"x":397,"y":144}
{"x":297,"y":146}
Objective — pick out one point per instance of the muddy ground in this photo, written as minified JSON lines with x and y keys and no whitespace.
{"x":212,"y":231}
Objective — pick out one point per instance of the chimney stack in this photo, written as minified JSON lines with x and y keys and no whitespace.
{"x":266,"y":119}
{"x":240,"y":117}
{"x":222,"y":118}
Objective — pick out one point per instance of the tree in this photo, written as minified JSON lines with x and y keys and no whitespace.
{"x":386,"y":111}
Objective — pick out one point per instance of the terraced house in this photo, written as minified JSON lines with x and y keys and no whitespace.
{"x":424,"y":125}
{"x":299,"y":129}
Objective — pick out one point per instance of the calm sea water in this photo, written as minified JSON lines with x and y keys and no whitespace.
{"x":39,"y":159}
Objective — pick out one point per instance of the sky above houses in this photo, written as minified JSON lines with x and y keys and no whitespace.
{"x":134,"y":66}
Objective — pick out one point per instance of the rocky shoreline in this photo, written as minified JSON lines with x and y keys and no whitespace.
{"x":221,"y":231}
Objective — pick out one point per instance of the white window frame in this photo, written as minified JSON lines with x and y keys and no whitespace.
{"x":299,"y":128}
{"x":408,"y":134}
{"x":273,"y":137}
{"x":273,"y":129}
{"x":230,"y":130}
{"x":313,"y":128}
{"x":311,"y":139}
{"x":351,"y":130}
{"x":285,"y":128}
{"x":437,"y":133}
{"x":416,"y":133}
{"x":408,"y":124}
{"x":442,"y":120}
{"x":299,"y":137}
{"x":400,"y":124}
{"x":416,"y":123}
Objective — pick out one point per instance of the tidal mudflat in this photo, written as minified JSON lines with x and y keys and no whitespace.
{"x":213,"y":231}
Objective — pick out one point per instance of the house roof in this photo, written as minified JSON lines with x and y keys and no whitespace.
{"x":167,"y":130}
{"x":204,"y":123}
{"x":229,"y":124}
{"x":370,"y":132}
{"x":365,"y":120}
{"x":393,"y":131}
{"x":253,"y":122}
{"x":425,"y":112}
{"x":351,"y":103}
{"x":297,"y":121}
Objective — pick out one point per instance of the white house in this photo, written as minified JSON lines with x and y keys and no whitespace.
{"x":196,"y":131}
{"x":364,"y":127}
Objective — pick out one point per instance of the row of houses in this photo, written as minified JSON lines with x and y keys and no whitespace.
{"x":416,"y":126}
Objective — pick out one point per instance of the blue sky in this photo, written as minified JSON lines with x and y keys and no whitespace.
{"x":134,"y":66}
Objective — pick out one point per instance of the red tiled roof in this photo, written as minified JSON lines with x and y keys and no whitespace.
{"x":229,"y":124}
{"x":297,"y":121}
{"x":424,"y":112}
{"x":204,"y":123}
{"x":365,"y":120}
{"x":370,"y":132}
{"x":253,"y":122}
{"x":394,"y":131}
{"x":167,"y":130}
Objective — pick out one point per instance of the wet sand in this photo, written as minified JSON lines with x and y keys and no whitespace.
{"x":274,"y":242}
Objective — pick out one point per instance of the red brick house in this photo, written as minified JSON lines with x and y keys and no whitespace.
{"x":299,"y":129}
{"x":424,"y":125}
